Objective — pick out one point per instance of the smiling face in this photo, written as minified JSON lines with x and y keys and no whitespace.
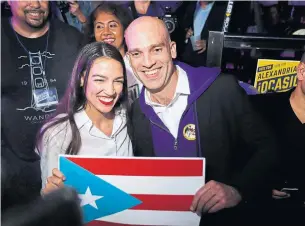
{"x":108,"y":28}
{"x":30,"y":13}
{"x":151,"y":53}
{"x":104,"y":85}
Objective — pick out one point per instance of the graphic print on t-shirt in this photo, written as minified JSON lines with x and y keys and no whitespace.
{"x":133,"y":91}
{"x":43,"y":98}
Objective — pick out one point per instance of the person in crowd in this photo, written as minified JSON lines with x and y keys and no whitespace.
{"x":285,"y":112}
{"x":36,"y":63}
{"x":92,"y":118}
{"x":166,"y":10}
{"x":239,"y":150}
{"x":151,"y":8}
{"x":75,"y":13}
{"x":5,"y":10}
{"x":273,"y":20}
{"x":107,"y":23}
{"x":297,"y":21}
{"x":199,"y":18}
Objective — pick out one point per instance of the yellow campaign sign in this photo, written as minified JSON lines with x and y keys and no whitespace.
{"x":275,"y":75}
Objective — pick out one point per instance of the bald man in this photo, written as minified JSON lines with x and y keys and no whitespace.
{"x":286,"y":114}
{"x":197,"y":112}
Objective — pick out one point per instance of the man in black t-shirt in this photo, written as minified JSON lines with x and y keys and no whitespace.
{"x":286,"y":114}
{"x":37,"y":58}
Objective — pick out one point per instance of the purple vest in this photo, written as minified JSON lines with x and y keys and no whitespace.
{"x":186,"y":144}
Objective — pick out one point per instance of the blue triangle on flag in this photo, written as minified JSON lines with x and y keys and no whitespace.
{"x":113,"y":201}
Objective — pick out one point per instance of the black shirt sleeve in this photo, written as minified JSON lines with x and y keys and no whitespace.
{"x":258,"y":175}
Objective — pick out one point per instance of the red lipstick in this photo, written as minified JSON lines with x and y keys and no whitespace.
{"x":106,"y":103}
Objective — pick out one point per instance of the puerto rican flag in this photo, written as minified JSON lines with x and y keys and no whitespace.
{"x":135,"y":191}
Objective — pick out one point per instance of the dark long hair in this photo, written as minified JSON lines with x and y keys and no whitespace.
{"x":120,"y":12}
{"x":75,"y":96}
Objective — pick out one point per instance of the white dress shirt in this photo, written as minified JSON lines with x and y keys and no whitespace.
{"x":171,"y":114}
{"x":94,"y":142}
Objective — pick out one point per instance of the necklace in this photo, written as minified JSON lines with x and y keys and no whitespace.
{"x":29,"y":52}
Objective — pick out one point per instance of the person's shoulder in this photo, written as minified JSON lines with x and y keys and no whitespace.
{"x":270,"y":101}
{"x":57,"y":131}
{"x":227,"y":87}
{"x":228,"y":82}
{"x":265,"y":97}
{"x":5,"y":27}
{"x":225,"y":81}
{"x":5,"y":22}
{"x":62,"y":25}
{"x":65,"y":28}
{"x":66,"y":36}
{"x":270,"y":106}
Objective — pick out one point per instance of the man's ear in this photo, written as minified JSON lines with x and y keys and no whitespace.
{"x":301,"y":71}
{"x":173,"y":49}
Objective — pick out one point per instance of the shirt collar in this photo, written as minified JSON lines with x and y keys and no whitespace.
{"x":81,"y":118}
{"x":182,"y":88}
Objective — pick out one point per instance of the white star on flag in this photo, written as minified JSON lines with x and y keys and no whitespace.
{"x":89,"y":199}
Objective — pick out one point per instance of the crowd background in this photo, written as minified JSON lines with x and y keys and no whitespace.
{"x":268,"y":18}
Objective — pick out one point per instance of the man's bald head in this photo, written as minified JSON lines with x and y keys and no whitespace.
{"x":151,"y":52}
{"x":147,"y":26}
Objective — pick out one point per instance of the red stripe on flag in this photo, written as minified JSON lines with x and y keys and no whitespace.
{"x":141,"y":167}
{"x":104,"y":223}
{"x":164,"y":202}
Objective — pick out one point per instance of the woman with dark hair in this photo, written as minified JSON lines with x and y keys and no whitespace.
{"x":107,"y":23}
{"x":92,"y":117}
